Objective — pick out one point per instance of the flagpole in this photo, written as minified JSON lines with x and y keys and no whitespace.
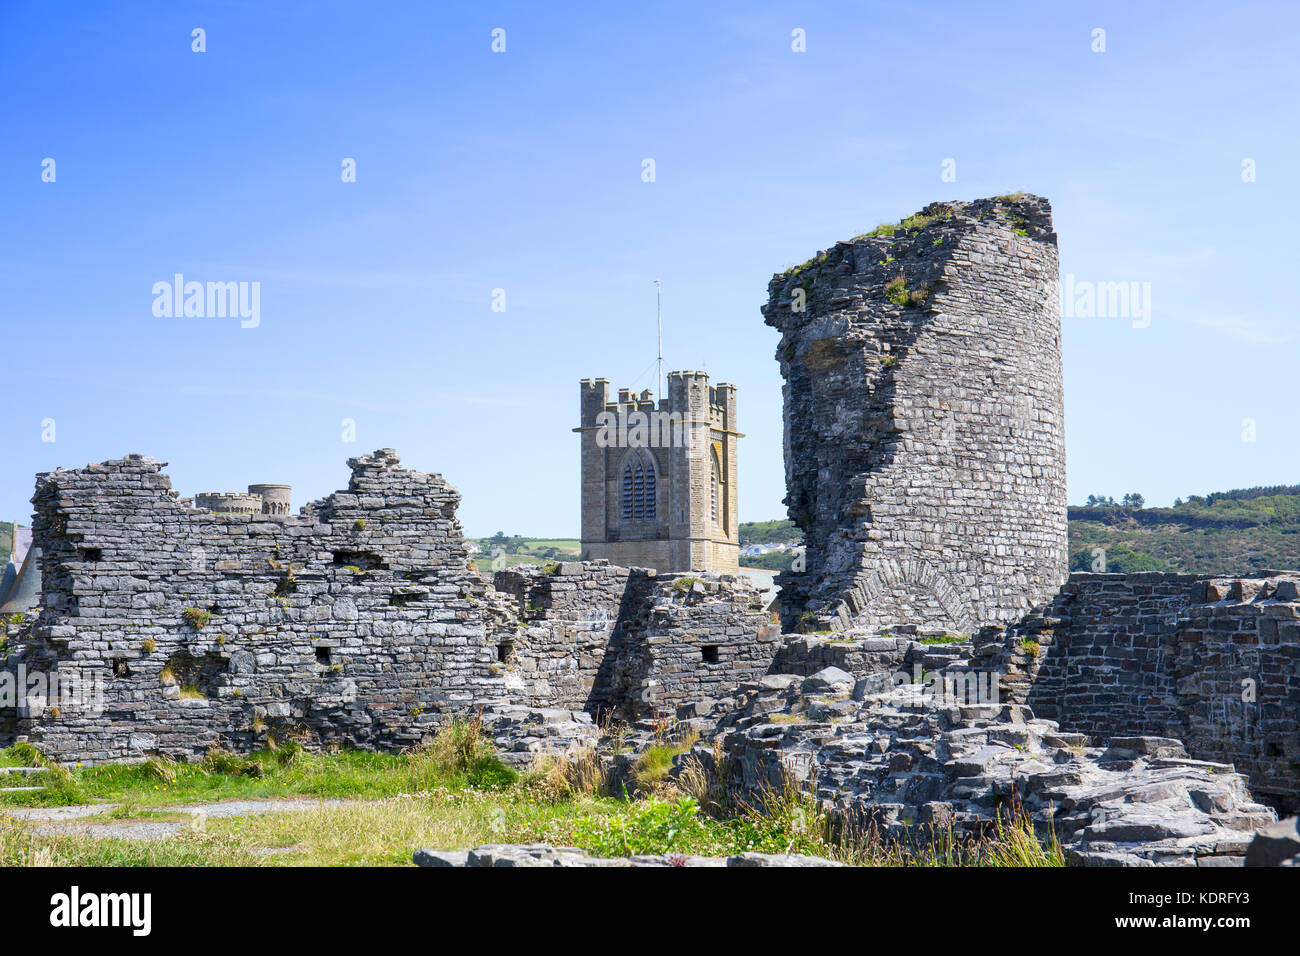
{"x":659,"y":309}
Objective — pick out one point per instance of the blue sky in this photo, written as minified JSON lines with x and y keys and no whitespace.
{"x":522,"y":171}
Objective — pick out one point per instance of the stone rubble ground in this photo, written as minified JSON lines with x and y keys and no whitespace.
{"x":522,"y":733}
{"x":892,"y":760}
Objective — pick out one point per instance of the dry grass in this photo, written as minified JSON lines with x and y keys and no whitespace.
{"x":575,"y":773}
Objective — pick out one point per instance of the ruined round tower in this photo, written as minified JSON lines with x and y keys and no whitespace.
{"x":924,"y":427}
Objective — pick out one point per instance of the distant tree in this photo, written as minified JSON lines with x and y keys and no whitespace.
{"x":1134,"y":500}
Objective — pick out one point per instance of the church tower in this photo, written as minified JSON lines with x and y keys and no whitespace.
{"x":659,"y":483}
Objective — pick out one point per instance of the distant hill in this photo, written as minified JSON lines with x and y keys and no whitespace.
{"x":516,"y":549}
{"x":1227,"y":532}
{"x":769,"y":532}
{"x":6,"y":541}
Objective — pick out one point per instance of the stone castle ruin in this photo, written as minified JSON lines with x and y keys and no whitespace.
{"x":924,"y":420}
{"x":925,"y":465}
{"x":358,"y":620}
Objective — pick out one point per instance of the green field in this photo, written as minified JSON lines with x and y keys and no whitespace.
{"x":507,"y":550}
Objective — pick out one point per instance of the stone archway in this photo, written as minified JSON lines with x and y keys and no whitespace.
{"x":873,"y":588}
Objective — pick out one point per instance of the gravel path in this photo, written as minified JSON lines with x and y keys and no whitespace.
{"x":56,"y":820}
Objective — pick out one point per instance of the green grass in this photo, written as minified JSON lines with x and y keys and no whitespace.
{"x":386,"y":832}
{"x":944,"y":639}
{"x":453,"y":794}
{"x":22,"y":754}
{"x":455,"y":759}
{"x":654,"y":763}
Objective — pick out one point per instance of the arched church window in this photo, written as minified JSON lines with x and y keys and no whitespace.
{"x":639,"y":488}
{"x":715,"y":487}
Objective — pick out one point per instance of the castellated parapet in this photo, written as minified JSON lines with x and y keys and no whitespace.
{"x":924,"y":438}
{"x":229,"y":502}
{"x":276,"y":499}
{"x":659,"y":482}
{"x":266,"y":499}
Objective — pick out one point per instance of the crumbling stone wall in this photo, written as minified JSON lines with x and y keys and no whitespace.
{"x":925,"y":465}
{"x":1103,"y":645}
{"x":1211,"y":661}
{"x":635,"y":643}
{"x":357,"y":620}
{"x":1236,"y":669}
{"x":565,"y":626}
{"x":925,"y":457}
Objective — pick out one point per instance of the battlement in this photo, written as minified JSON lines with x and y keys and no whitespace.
{"x":231,"y":502}
{"x":659,"y":479}
{"x":689,"y":395}
{"x":267,"y":499}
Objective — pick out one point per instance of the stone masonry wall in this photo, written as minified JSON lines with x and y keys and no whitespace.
{"x":1237,"y":680}
{"x":358,"y":620}
{"x":925,"y":457}
{"x":565,"y":625}
{"x":637,"y":643}
{"x":1213,"y":662}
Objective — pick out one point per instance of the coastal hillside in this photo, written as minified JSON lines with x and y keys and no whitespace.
{"x":1226,"y":532}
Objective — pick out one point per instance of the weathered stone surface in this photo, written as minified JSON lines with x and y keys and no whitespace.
{"x":633,"y":642}
{"x":898,"y":763}
{"x":441,"y":858}
{"x":1276,"y":845}
{"x":542,"y":854}
{"x":357,"y":621}
{"x":1213,"y":663}
{"x":925,"y":444}
{"x":521,"y":734}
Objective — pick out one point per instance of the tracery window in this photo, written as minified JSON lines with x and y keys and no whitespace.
{"x":639,"y":488}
